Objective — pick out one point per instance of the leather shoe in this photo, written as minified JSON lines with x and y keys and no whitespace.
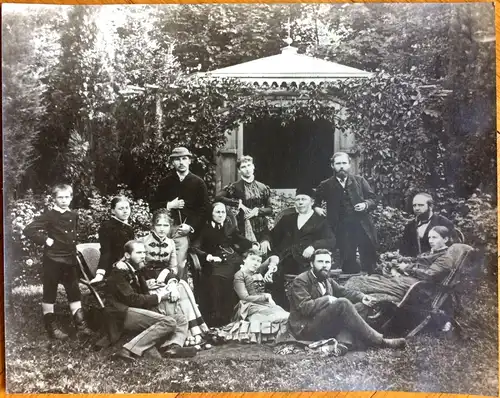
{"x":152,"y":353}
{"x":394,"y":343}
{"x":125,"y":355}
{"x":176,"y":351}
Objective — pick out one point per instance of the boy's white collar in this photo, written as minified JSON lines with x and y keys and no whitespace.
{"x":58,"y":209}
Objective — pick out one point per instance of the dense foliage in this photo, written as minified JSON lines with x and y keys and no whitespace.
{"x":100,"y":98}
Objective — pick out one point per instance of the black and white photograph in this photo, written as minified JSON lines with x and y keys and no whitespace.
{"x":250,"y":197}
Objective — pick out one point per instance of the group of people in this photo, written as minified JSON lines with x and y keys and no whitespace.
{"x":241,"y":283}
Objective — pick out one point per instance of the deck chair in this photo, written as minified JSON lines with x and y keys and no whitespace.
{"x":427,"y":302}
{"x":88,"y":255}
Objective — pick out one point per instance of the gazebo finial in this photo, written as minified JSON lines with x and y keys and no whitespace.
{"x":289,"y":39}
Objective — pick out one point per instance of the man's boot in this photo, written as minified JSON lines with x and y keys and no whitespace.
{"x":50,"y":326}
{"x":81,"y":324}
{"x":176,"y":351}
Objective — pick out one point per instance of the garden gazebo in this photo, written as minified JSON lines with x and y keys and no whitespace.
{"x":298,"y":151}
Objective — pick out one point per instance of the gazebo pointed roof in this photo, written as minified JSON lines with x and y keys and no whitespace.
{"x":288,"y":68}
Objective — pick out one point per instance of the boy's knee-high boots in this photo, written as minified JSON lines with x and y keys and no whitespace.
{"x":81,"y":324}
{"x":50,"y":326}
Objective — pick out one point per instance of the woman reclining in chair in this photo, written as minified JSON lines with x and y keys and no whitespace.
{"x":433,"y":266}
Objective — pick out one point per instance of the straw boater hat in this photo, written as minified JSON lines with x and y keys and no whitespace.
{"x":180,"y":152}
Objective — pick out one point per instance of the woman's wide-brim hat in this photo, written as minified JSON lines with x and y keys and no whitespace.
{"x":180,"y":152}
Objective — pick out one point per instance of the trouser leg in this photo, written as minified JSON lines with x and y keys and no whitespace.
{"x":181,"y":331}
{"x":367,"y":251}
{"x":51,"y":275}
{"x":153,"y":327}
{"x":338,"y":316}
{"x":287,"y":266}
{"x":347,"y":247}
{"x":69,"y":280}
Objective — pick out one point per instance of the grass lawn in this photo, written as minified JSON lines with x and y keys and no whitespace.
{"x":466,"y":365}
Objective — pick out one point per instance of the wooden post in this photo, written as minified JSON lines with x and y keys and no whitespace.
{"x":159,"y":116}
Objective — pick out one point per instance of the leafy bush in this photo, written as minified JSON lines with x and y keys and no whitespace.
{"x":476,"y":217}
{"x":279,"y":202}
{"x":389,"y":223}
{"x":19,"y":214}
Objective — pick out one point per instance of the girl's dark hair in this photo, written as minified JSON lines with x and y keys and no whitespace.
{"x":443,"y":231}
{"x":118,"y":199}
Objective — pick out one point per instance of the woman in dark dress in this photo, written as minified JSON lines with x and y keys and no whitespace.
{"x":220,"y":248}
{"x":113,"y":234}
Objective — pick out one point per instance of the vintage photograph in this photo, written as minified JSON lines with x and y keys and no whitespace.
{"x":250,"y":197}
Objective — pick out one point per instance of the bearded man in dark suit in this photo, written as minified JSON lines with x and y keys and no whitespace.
{"x":415,"y":238}
{"x":349,"y":198}
{"x":320,"y":309}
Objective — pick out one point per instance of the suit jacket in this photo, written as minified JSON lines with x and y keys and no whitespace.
{"x":62,"y":228}
{"x":129,"y":289}
{"x":193,"y":191}
{"x":412,"y":246}
{"x":287,"y":240}
{"x":306,"y":300}
{"x":231,"y":195}
{"x":359,"y":191}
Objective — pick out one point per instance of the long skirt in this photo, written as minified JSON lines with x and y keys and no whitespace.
{"x":384,"y":288}
{"x":186,"y":305}
{"x":218,"y":298}
{"x":256,"y":323}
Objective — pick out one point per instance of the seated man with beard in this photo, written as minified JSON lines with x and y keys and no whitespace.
{"x":320,"y":309}
{"x":156,"y":335}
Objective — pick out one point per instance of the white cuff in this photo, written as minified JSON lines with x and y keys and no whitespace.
{"x":163,"y":275}
{"x":100,"y":272}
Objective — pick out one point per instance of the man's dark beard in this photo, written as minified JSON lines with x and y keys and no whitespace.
{"x":342,"y":174}
{"x":320,"y":276}
{"x":424,"y":216}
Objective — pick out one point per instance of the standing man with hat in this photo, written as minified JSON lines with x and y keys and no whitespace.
{"x":185,"y":195}
{"x":349,"y":198}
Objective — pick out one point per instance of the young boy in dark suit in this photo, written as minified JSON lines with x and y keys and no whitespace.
{"x":56,"y":229}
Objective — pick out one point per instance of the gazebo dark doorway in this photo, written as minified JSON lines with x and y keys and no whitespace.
{"x":289,"y":156}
